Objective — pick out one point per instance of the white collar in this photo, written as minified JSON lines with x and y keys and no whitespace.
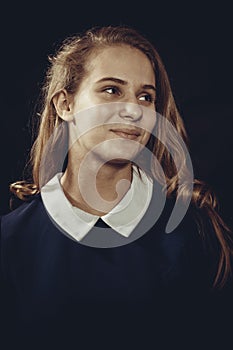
{"x":123,"y":218}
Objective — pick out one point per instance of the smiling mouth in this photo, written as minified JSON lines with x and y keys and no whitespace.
{"x":126,"y":134}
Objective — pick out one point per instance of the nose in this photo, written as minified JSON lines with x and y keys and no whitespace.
{"x":131,"y":111}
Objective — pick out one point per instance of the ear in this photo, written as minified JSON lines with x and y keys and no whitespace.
{"x":62,"y":104}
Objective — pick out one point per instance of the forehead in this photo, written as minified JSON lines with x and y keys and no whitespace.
{"x":122,"y":61}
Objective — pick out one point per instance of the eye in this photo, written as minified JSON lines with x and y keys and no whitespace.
{"x":147,"y":98}
{"x":112,"y":90}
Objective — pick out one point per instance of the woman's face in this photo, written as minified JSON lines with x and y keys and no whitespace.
{"x":116,"y":100}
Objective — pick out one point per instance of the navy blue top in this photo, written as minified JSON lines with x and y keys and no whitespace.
{"x":55,"y":290}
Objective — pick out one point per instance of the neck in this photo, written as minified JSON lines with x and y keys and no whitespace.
{"x":96,"y":190}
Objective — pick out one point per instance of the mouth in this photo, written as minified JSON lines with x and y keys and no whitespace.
{"x":126,"y":133}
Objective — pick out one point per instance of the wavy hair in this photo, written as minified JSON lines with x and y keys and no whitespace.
{"x":66,"y":71}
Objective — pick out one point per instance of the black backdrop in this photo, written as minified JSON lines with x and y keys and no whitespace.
{"x":194,"y":41}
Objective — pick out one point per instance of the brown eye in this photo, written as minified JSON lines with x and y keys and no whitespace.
{"x":147,"y":98}
{"x":112,"y":90}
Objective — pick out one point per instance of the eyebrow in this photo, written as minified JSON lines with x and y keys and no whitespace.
{"x":123,"y":82}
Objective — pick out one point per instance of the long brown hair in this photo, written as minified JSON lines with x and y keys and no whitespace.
{"x":67,"y":70}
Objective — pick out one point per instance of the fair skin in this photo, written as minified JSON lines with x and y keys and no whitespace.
{"x":114,"y":74}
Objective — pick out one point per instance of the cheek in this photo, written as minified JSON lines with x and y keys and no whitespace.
{"x":96,"y":136}
{"x":82,"y":101}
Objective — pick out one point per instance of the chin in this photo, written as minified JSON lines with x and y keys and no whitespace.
{"x":117,"y":154}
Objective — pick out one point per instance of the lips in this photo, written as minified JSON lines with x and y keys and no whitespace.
{"x":126,"y":133}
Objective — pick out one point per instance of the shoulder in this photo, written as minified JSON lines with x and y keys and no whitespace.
{"x":28,"y":214}
{"x":194,"y":240}
{"x":194,"y":222}
{"x":22,"y":208}
{"x":198,"y":228}
{"x":23,"y":232}
{"x":181,"y":221}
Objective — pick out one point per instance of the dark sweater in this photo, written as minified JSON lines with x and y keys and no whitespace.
{"x":56,"y":291}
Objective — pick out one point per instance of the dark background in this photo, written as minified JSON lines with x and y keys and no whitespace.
{"x":194,"y":41}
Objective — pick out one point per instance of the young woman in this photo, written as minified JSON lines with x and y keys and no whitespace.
{"x":110,"y":143}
